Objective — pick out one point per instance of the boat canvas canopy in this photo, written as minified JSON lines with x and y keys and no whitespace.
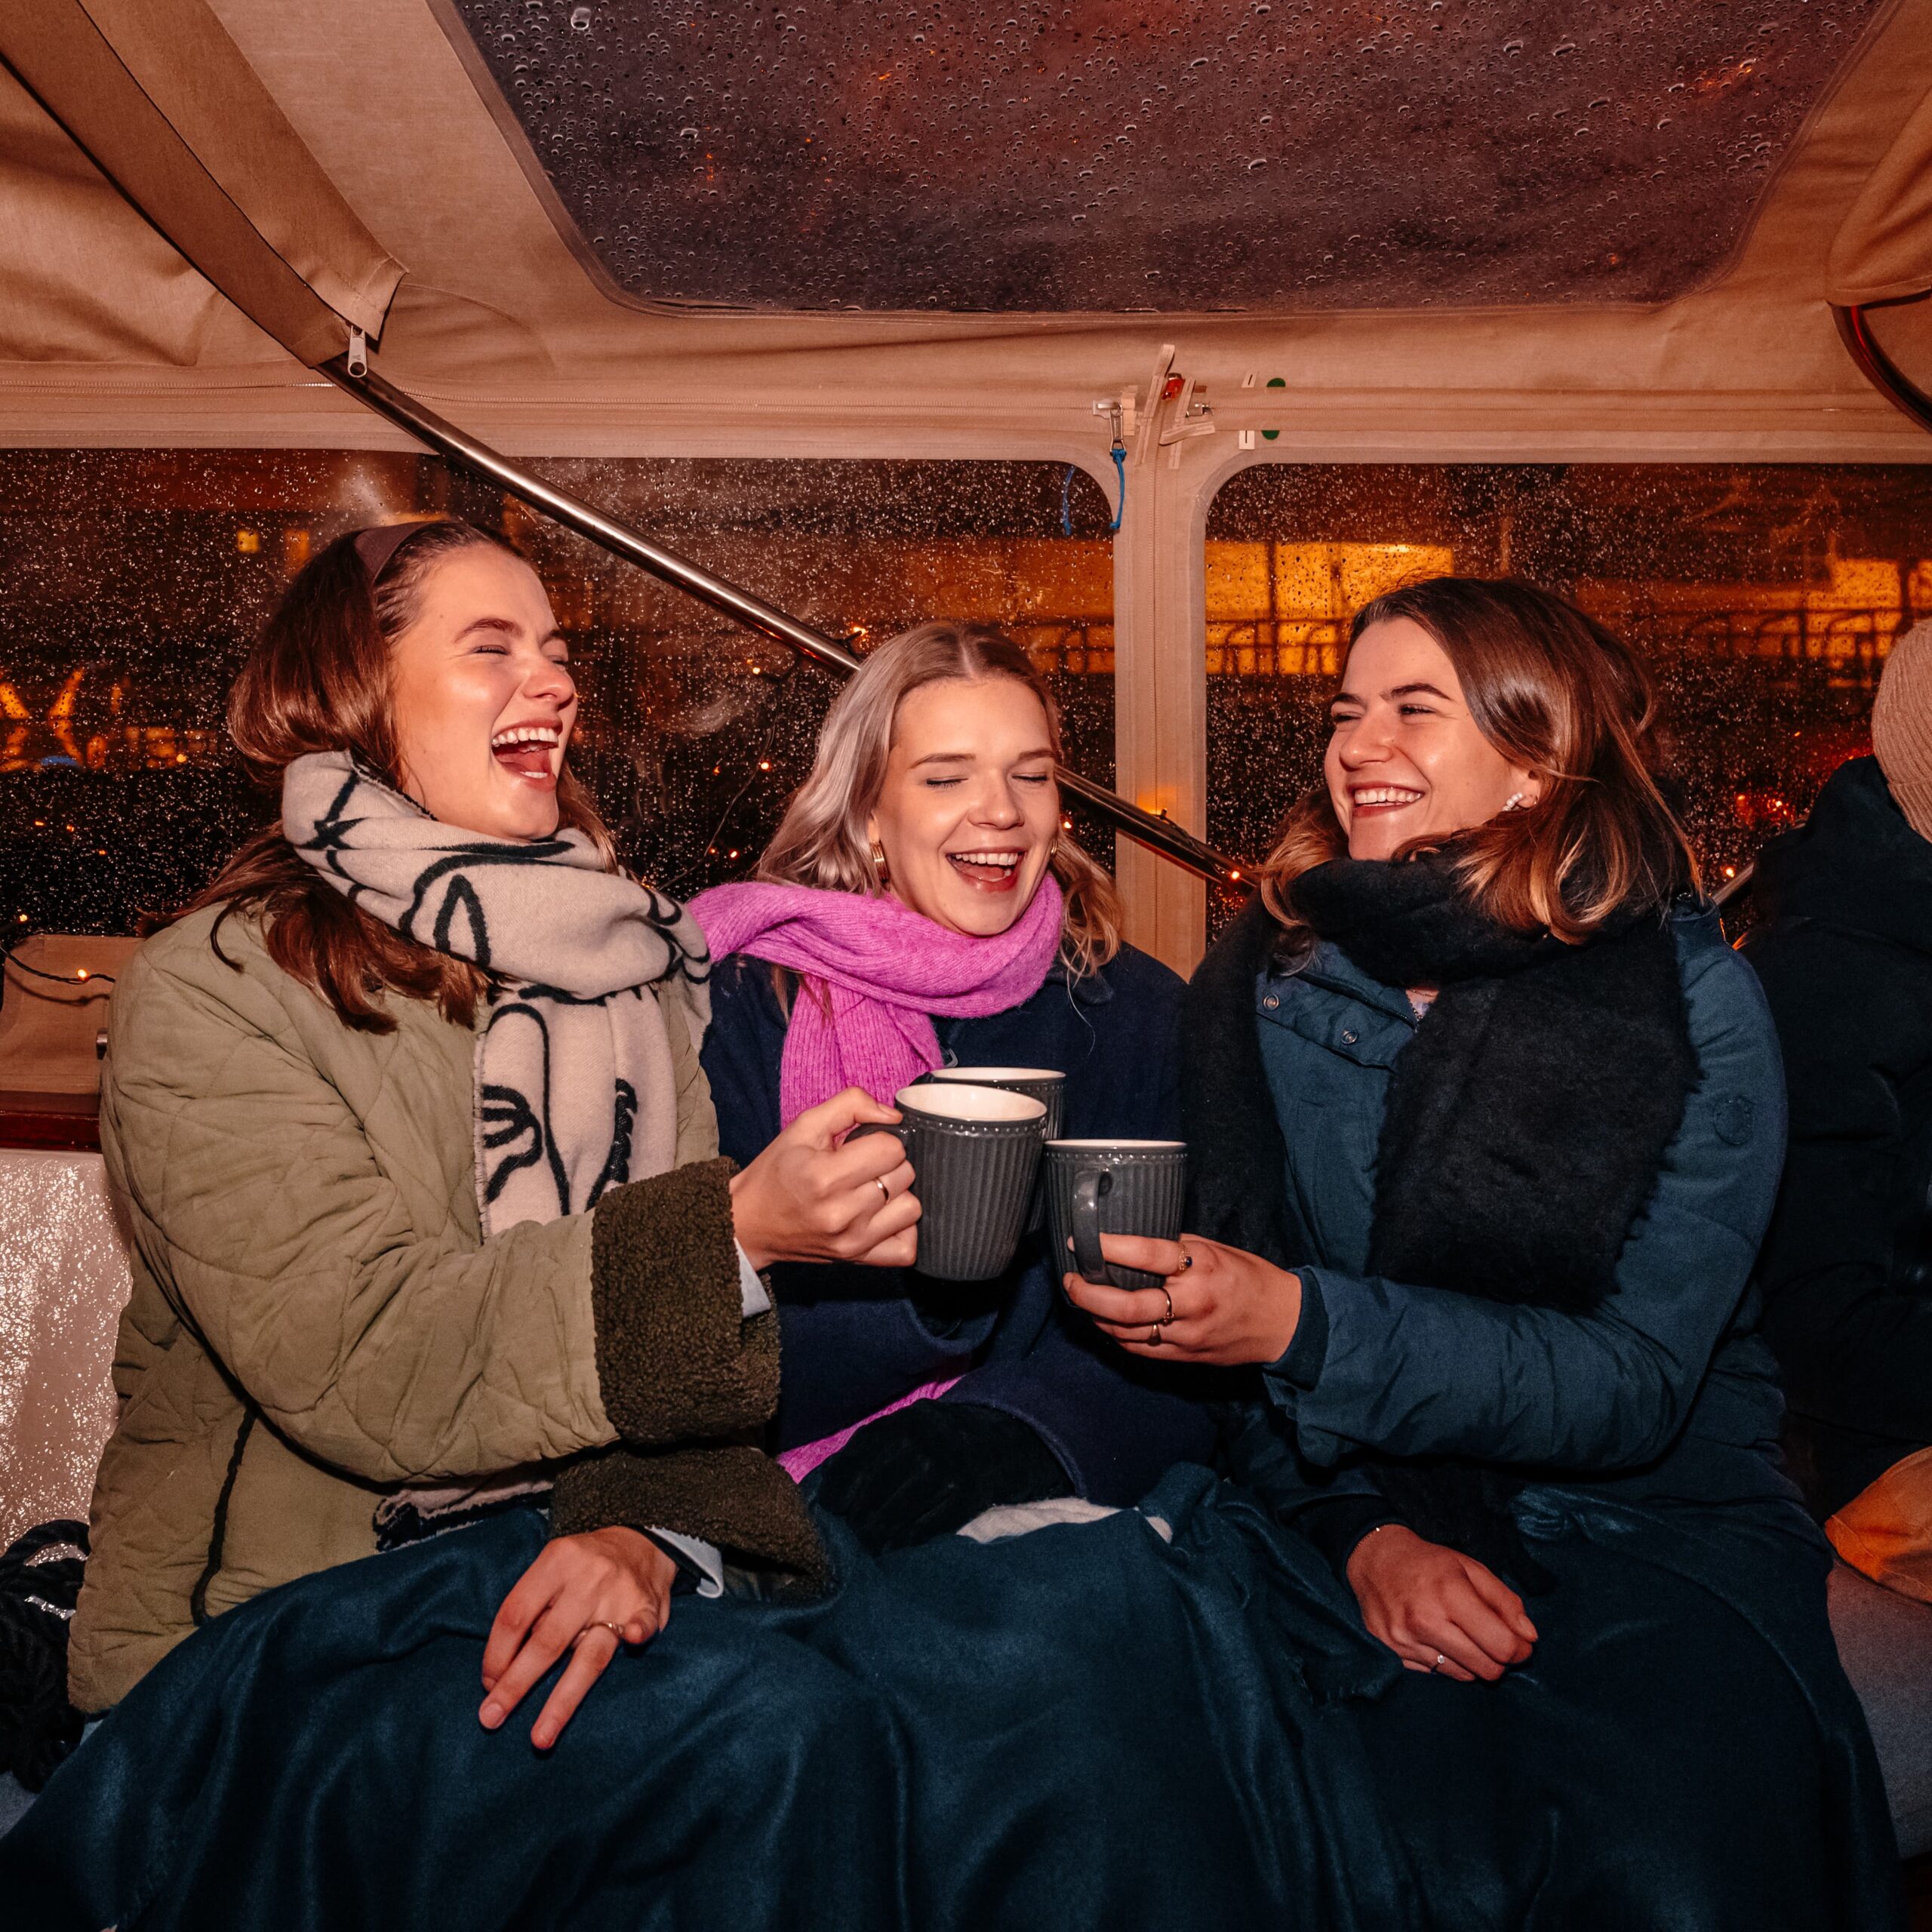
{"x":384,"y":119}
{"x":1884,"y":252}
{"x":158,"y":95}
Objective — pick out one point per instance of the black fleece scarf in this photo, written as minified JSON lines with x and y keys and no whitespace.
{"x":1524,"y":1130}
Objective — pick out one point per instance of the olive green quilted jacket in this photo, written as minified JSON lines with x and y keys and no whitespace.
{"x":316,"y":1319}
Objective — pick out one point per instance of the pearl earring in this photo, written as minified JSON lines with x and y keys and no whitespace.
{"x":1509,"y":804}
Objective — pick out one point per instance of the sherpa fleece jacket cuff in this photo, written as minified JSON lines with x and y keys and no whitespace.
{"x":729,"y":1494}
{"x":677,"y":1358}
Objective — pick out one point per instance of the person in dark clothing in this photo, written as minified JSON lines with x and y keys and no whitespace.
{"x":1486,"y":1122}
{"x":922,"y":905}
{"x":854,"y":1343}
{"x":1841,"y":940}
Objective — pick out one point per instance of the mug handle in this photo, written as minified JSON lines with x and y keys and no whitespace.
{"x":896,"y":1128}
{"x":1090,"y":1187}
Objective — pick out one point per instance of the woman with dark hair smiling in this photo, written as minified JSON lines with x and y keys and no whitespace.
{"x":1485,"y":1119}
{"x":406,"y":1115}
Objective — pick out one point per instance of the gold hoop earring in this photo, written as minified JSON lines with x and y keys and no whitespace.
{"x":879,"y":866}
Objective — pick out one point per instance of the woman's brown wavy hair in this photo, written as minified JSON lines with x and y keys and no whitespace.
{"x":318,"y":679}
{"x":821,"y":840}
{"x":1556,"y":692}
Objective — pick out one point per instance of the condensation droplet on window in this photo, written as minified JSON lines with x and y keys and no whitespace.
{"x":135,"y":756}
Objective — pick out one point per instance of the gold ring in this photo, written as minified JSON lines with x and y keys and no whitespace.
{"x":616,"y":1630}
{"x":1155,"y":1338}
{"x":885,"y":1192}
{"x":1170,"y":1315}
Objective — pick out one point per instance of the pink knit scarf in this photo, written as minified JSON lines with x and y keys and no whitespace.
{"x":874,"y":973}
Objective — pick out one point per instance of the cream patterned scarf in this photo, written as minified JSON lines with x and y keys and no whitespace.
{"x":575,"y":1092}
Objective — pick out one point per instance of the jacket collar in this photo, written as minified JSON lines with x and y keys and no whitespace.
{"x":1332,"y":970}
{"x":1091,"y":989}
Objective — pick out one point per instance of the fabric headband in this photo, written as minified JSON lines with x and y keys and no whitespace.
{"x":377,"y":546}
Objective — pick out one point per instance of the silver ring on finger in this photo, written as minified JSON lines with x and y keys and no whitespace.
{"x":1441,"y":1660}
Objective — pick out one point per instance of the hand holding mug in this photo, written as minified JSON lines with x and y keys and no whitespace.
{"x":815,"y":1195}
{"x":973,"y":1152}
{"x":1215,"y":1304}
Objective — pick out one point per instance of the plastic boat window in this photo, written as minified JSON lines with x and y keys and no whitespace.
{"x":1764,"y":598}
{"x":131,"y":582}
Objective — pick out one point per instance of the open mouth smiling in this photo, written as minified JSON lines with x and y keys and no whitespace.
{"x":526,"y":749}
{"x":995,"y":869}
{"x":1383,"y":798}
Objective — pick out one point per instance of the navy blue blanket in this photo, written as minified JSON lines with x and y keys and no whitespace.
{"x":1087,"y":1726}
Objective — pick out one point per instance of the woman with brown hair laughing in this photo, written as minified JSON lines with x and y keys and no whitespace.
{"x":1486,"y":1120}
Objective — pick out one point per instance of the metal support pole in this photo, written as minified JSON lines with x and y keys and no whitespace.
{"x":1149,"y":829}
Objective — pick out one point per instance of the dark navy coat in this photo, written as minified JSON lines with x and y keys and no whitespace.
{"x":1668,"y":1391}
{"x":1682,"y":1748}
{"x":855,"y":1339}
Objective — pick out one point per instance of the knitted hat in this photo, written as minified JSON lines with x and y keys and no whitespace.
{"x":1902,"y":726}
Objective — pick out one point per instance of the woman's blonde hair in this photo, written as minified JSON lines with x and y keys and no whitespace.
{"x":821,"y":841}
{"x":1556,"y":692}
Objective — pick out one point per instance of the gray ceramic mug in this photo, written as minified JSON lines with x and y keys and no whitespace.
{"x":1043,"y":1084}
{"x":1113,"y":1187}
{"x":975,"y":1151}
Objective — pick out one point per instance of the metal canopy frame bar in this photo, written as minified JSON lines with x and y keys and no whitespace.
{"x":1152,"y":829}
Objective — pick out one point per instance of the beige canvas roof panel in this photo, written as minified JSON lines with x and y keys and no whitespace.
{"x":88,"y":283}
{"x":158,"y":95}
{"x":1883,"y":251}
